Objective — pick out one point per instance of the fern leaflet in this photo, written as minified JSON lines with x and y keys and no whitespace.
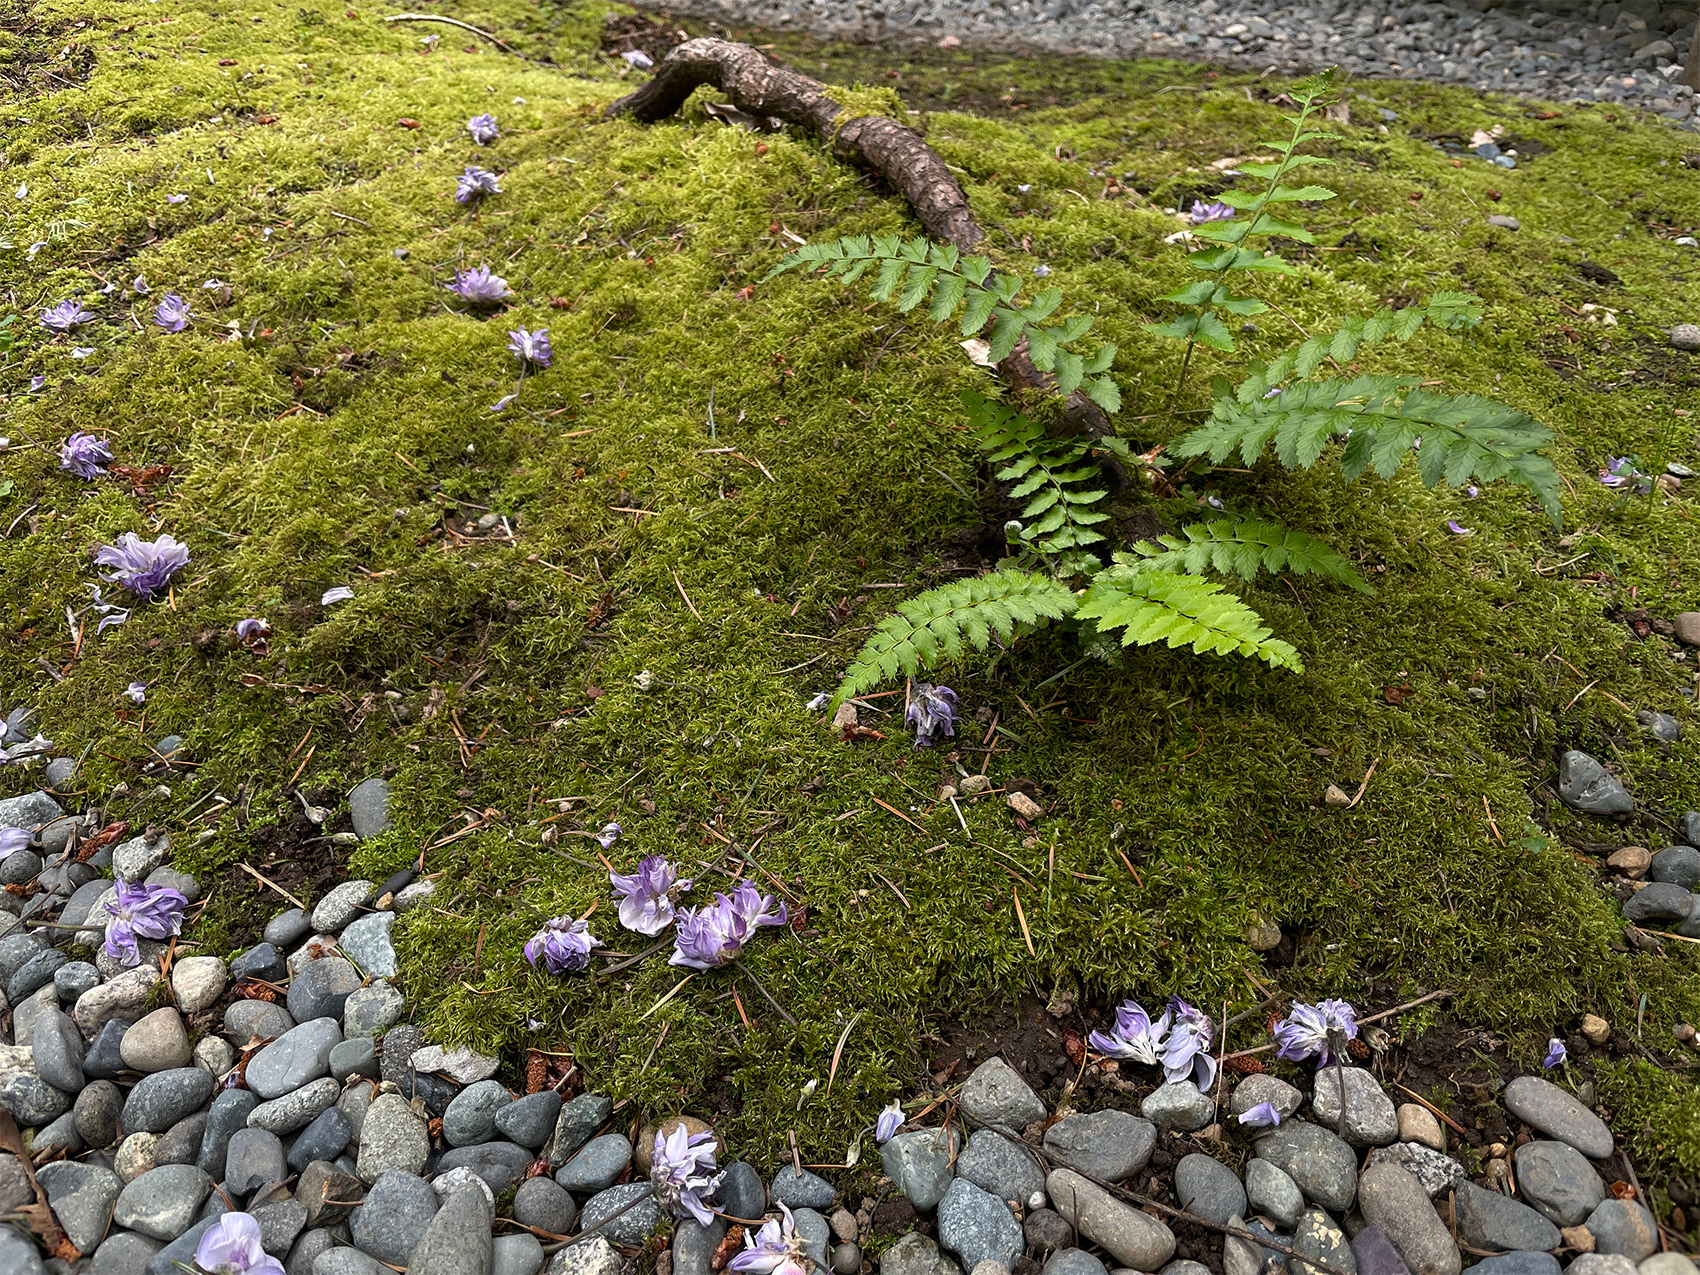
{"x":1048,"y":473}
{"x":1161,"y":606}
{"x":1231,"y":546}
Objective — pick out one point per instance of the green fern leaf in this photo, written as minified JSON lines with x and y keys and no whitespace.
{"x":1180,"y":610}
{"x":1243,"y":547}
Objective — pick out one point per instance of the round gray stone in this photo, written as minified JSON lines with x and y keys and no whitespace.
{"x":1134,"y":1238}
{"x":228,"y":1114}
{"x":741,"y":1192}
{"x":1487,"y":1219}
{"x":122,"y":1253}
{"x":978,"y":1227}
{"x":1270,"y":1192}
{"x":813,"y":1235}
{"x":392,"y":1138}
{"x":598,"y":1164}
{"x":280,"y":1222}
{"x":1679,"y":865}
{"x":287,"y":928}
{"x":996,"y":1165}
{"x":1371,"y":1120}
{"x":322,"y":989}
{"x":342,"y":904}
{"x":578,"y":1122}
{"x":1435,"y":1170}
{"x":1521,"y":1264}
{"x":631,"y":1226}
{"x":1323,"y":1167}
{"x":97,"y":1111}
{"x":1660,"y":901}
{"x":457,"y":1240}
{"x":529,"y":1120}
{"x":181,"y":1143}
{"x":920,"y":1163}
{"x":19,"y":867}
{"x":1047,"y":1231}
{"x":1179,"y":1105}
{"x":300,"y":1055}
{"x":1544,"y":1106}
{"x":162,"y":1099}
{"x":1393,"y":1201}
{"x":253,"y":1159}
{"x":369,"y":807}
{"x":356,"y":1057}
{"x":1317,"y":1236}
{"x":1207,"y":1188}
{"x":1558,"y":1181}
{"x":162,"y":1203}
{"x":471,"y":1116}
{"x":370,"y":1010}
{"x":1111,"y":1145}
{"x":1584,"y":784}
{"x":74,"y":978}
{"x":392,"y":1221}
{"x":56,"y":1047}
{"x":995,"y":1094}
{"x":802,"y":1190}
{"x":157,"y":1042}
{"x":244,"y":1020}
{"x":498,"y":1163}
{"x":516,"y":1255}
{"x":1625,"y":1228}
{"x":32,"y":1100}
{"x":541,"y":1203}
{"x":35,"y":973}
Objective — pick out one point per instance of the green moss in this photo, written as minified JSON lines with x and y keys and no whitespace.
{"x":339,"y":433}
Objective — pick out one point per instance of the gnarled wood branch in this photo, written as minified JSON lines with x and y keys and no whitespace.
{"x":893,"y":150}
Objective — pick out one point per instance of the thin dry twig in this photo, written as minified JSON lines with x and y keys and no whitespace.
{"x":456,"y":22}
{"x":273,"y":884}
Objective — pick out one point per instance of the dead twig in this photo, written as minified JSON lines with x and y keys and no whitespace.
{"x":500,"y":43}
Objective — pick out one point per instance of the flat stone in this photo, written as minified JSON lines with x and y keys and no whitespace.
{"x":803,"y":1190}
{"x":322,"y":988}
{"x":122,"y":1253}
{"x":162,"y":1099}
{"x":287,"y":927}
{"x":1003,"y":1168}
{"x":227,"y":1116}
{"x":346,"y":1261}
{"x":517,"y":1255}
{"x":355,"y":1102}
{"x":392,"y":1139}
{"x":1323,"y":1167}
{"x":157,"y":1042}
{"x":74,"y":978}
{"x":132,"y":860}
{"x":366,"y":942}
{"x":529,"y":1120}
{"x":1487,"y":1219}
{"x":31,"y":810}
{"x":1544,"y":1106}
{"x":392,"y":1221}
{"x":253,"y":1158}
{"x":96,"y":1113}
{"x":1584,"y":784}
{"x":119,"y":998}
{"x":1255,"y":1090}
{"x":1438,"y":1173}
{"x":471,"y":1117}
{"x":813,"y":1235}
{"x":1658,"y":901}
{"x":847,"y":1259}
{"x":464,"y":1066}
{"x":1375,"y":1254}
{"x":1319,"y":1238}
{"x":371,"y":1010}
{"x":1272,"y":1193}
{"x":541,"y":1203}
{"x":61,"y":1135}
{"x":369,"y":807}
{"x":1207,"y":1188}
{"x":741,"y":1192}
{"x":19,"y":867}
{"x":342,"y":904}
{"x":297,"y":1109}
{"x":197,"y":982}
{"x":1178,"y":1105}
{"x":1667,"y":1264}
{"x":181,"y":1143}
{"x":1371,"y":1120}
{"x":1390,"y":1199}
{"x":578,"y":1121}
{"x":978,"y":1227}
{"x":1111,"y":1145}
{"x":1623,"y":1227}
{"x":1679,"y":865}
{"x":76,"y":909}
{"x":457,"y":1240}
{"x":1417,"y":1124}
{"x":356,"y":1057}
{"x":630,"y":1227}
{"x":1557,"y":1181}
{"x":1601,"y":1264}
{"x":596,"y":1256}
{"x":413,"y":895}
{"x":300,"y":1055}
{"x":244,"y":1020}
{"x":1134,"y":1238}
{"x":161,"y":1204}
{"x":56,"y":1048}
{"x":171,"y":1259}
{"x":280,"y":1222}
{"x":597,"y":1166}
{"x":919,"y":1162}
{"x":995,"y":1094}
{"x":81,"y":1196}
{"x":182,"y":882}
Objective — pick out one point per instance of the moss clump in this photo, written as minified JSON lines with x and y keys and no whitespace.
{"x":329,"y":423}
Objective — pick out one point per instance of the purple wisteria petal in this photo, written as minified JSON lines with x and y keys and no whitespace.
{"x":140,"y":284}
{"x":774,"y":1249}
{"x":479,"y":287}
{"x":151,"y":911}
{"x":475,"y":183}
{"x":1187,"y":1052}
{"x":1307,"y":1030}
{"x":563,"y":944}
{"x":13,"y":840}
{"x":1134,"y":1037}
{"x":502,"y":404}
{"x":144,"y":567}
{"x":531,"y":348}
{"x":1202,"y":212}
{"x":647,"y":896}
{"x":335,"y":594}
{"x":483,"y":128}
{"x":37,"y":383}
{"x":253,"y":633}
{"x":931,"y":713}
{"x":609,"y":835}
{"x":64,"y":316}
{"x":231,"y":1246}
{"x":85,"y":456}
{"x":110,"y":612}
{"x":638,"y":58}
{"x":1453,"y":526}
{"x":172,"y":313}
{"x":1262,"y":1116}
{"x":714,"y":934}
{"x":889,"y":1122}
{"x":1556,"y":1054}
{"x":137,"y":692}
{"x":682,"y":1172}
{"x":175,"y":199}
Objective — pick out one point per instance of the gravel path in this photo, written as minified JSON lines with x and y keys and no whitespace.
{"x":1630,"y":51}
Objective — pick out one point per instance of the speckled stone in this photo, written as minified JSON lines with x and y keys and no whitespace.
{"x":162,"y":1099}
{"x":295,"y":1110}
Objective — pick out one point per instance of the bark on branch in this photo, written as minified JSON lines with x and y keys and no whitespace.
{"x":893,"y":150}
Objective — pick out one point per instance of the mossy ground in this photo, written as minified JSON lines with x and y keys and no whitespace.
{"x":325,"y":421}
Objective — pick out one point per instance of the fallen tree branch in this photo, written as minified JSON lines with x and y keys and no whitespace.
{"x":895,"y":151}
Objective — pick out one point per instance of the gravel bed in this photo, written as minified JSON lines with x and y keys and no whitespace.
{"x":1630,"y":51}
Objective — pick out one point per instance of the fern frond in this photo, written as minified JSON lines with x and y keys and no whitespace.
{"x":1181,"y":610}
{"x":1050,"y":474}
{"x":934,"y":626}
{"x":1231,"y":546}
{"x":1454,"y":438}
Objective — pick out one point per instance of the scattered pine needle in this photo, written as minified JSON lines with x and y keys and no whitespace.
{"x":687,"y":597}
{"x":894,"y":810}
{"x":677,"y":988}
{"x":1368,"y":775}
{"x":838,"y":1053}
{"x":273,"y":884}
{"x":1022,"y":917}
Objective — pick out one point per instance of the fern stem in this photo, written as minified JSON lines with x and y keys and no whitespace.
{"x":1180,"y":381}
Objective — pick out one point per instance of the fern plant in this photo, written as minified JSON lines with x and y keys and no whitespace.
{"x":1051,"y":474}
{"x":1230,"y":546}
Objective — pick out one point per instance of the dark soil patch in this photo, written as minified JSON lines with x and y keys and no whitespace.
{"x":640,"y":33}
{"x":295,"y":857}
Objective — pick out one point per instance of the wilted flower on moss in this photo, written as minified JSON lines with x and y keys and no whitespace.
{"x":563,"y":944}
{"x":1455,"y":528}
{"x":1134,"y":1037}
{"x":1624,"y":471}
{"x":111,"y":614}
{"x":152,"y":911}
{"x":339,"y":593}
{"x":1556,"y":1054}
{"x":609,"y":835}
{"x":1472,"y":491}
{"x":479,"y":287}
{"x":1187,"y":1052}
{"x":638,"y":58}
{"x":502,"y":404}
{"x":1262,"y":1116}
{"x":231,"y":1246}
{"x":37,"y":383}
{"x":252,"y":633}
{"x":714,"y":934}
{"x":483,"y":128}
{"x":682,"y":1168}
{"x":931,"y":712}
{"x":144,"y":567}
{"x":475,"y":183}
{"x":175,"y":199}
{"x":531,"y":348}
{"x":1041,"y":271}
{"x":776,"y":1249}
{"x":647,"y":896}
{"x":1202,"y":212}
{"x":889,"y":1122}
{"x":172,"y":313}
{"x":82,"y":351}
{"x":137,"y":692}
{"x":84,"y":456}
{"x":140,"y":284}
{"x":1315,"y":1031}
{"x":64,"y":316}
{"x":819,"y":702}
{"x":13,"y":840}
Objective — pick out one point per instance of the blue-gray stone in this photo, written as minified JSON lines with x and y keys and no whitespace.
{"x":296,"y":1110}
{"x":102,"y":1060}
{"x":693,"y":1244}
{"x":162,"y":1202}
{"x":56,"y":1047}
{"x":19,"y":867}
{"x":1111,"y":1145}
{"x":1270,"y":1192}
{"x":229,"y":1113}
{"x":18,"y":1256}
{"x":74,"y":978}
{"x":32,"y":1100}
{"x":18,"y":949}
{"x":81,"y":1196}
{"x":61,"y":1135}
{"x":1546,"y":1107}
{"x":498,"y":1163}
{"x":529,"y":1120}
{"x":1514,"y":1264}
{"x":1679,"y":865}
{"x":253,"y":1159}
{"x":300,"y":1055}
{"x":122,"y":1253}
{"x":171,"y":1259}
{"x":366,"y":942}
{"x":578,"y":1121}
{"x":356,"y":1057}
{"x":1557,"y":1181}
{"x":1584,"y":784}
{"x":181,"y":882}
{"x":741,"y":1192}
{"x":471,"y":1117}
{"x":369,"y":808}
{"x":1375,"y":1254}
{"x":1659,"y":901}
{"x":287,"y":928}
{"x":1322,"y":1166}
{"x":1207,"y":1188}
{"x":995,"y":1164}
{"x":1691,"y":827}
{"x":598,"y":1164}
{"x":96,"y":1112}
{"x":631,"y":1226}
{"x":162,"y":1099}
{"x":262,"y":961}
{"x":1073,"y":1261}
{"x":919,"y":1162}
{"x":457,"y":1240}
{"x":36,"y":972}
{"x":814,"y":1234}
{"x":801,"y":1189}
{"x":517,"y":1255}
{"x":1623,"y":1227}
{"x":1487,"y":1219}
{"x":978,"y":1227}
{"x":390,"y":1224}
{"x":548,"y":1207}
{"x":322,"y":988}
{"x":280,"y":1222}
{"x":181,"y":1143}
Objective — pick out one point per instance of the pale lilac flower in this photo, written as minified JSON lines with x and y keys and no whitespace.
{"x":609,"y":835}
{"x":483,"y":128}
{"x":890,"y":1121}
{"x":1472,"y":491}
{"x":141,"y":286}
{"x":137,"y":692}
{"x":111,"y":614}
{"x":144,"y":567}
{"x":1134,"y":1037}
{"x":714,"y":934}
{"x":776,"y":1249}
{"x":819,"y":702}
{"x":647,"y":896}
{"x":1623,"y":471}
{"x":172,"y":313}
{"x":931,"y":712}
{"x":531,"y":348}
{"x":1215,"y":502}
{"x":479,"y":287}
{"x":340,"y":593}
{"x":1273,"y":392}
{"x":753,"y":908}
{"x":85,"y":456}
{"x":231,"y":1246}
{"x":1315,"y":1031}
{"x":65,"y":316}
{"x":1041,"y":271}
{"x":502,"y":404}
{"x":252,"y":633}
{"x":1188,"y":1048}
{"x":1456,"y":529}
{"x":1262,"y":1116}
{"x":682,"y":1171}
{"x":475,"y":183}
{"x":82,"y":351}
{"x":37,"y":383}
{"x":1024,"y":187}
{"x":1202,"y":212}
{"x":13,"y":840}
{"x":563,"y":943}
{"x":638,"y":58}
{"x":175,"y":199}
{"x":152,"y":911}
{"x":1556,"y":1054}
{"x":214,"y":283}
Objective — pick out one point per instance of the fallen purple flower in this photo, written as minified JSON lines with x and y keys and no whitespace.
{"x":647,"y":896}
{"x":1134,"y":1037}
{"x":1556,"y":1054}
{"x":1202,"y":212}
{"x":85,"y":456}
{"x":475,"y":183}
{"x":144,"y":567}
{"x":338,"y":593}
{"x":65,"y":316}
{"x":175,"y":199}
{"x":1472,"y":491}
{"x":931,"y":713}
{"x":1262,"y":1116}
{"x":638,"y":58}
{"x":1317,"y":1031}
{"x":1453,"y":526}
{"x":479,"y":287}
{"x":889,"y":1122}
{"x":563,"y":944}
{"x":111,"y":613}
{"x":140,"y":285}
{"x":172,"y":313}
{"x":1187,"y":1052}
{"x":531,"y":348}
{"x":152,"y":911}
{"x":776,"y":1249}
{"x":609,"y":835}
{"x":37,"y":383}
{"x":252,"y":633}
{"x":231,"y":1246}
{"x":502,"y":404}
{"x":1041,"y":271}
{"x":713,"y":935}
{"x":13,"y":840}
{"x":137,"y":692}
{"x":483,"y":128}
{"x":682,"y":1168}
